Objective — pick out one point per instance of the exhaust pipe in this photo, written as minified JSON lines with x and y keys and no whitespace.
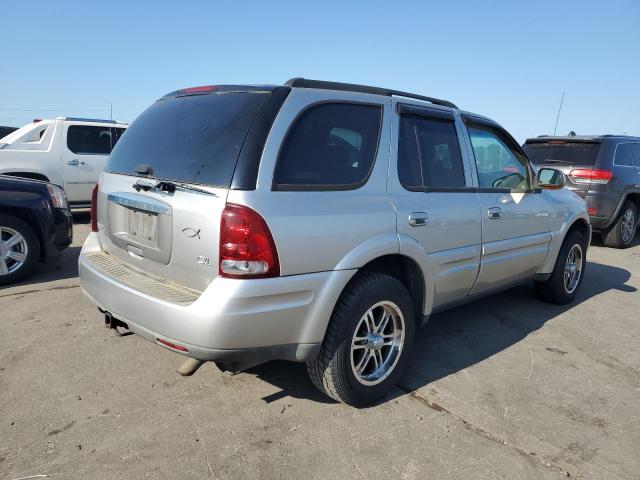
{"x":113,"y":323}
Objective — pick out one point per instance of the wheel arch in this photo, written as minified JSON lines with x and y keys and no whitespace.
{"x":31,"y":175}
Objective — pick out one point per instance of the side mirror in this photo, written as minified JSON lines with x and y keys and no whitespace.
{"x":550,"y":178}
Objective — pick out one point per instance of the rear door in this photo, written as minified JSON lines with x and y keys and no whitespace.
{"x":431,"y":187}
{"x":85,"y":151}
{"x":515,"y":219}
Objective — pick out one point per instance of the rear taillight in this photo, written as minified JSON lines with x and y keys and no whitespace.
{"x":247,"y":249}
{"x":94,"y":208}
{"x":590,"y":175}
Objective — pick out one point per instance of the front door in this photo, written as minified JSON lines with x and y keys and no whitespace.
{"x":84,"y":155}
{"x":515,"y":219}
{"x":435,"y":202}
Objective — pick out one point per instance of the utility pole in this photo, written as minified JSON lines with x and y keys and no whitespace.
{"x":558,"y":117}
{"x":111,"y":111}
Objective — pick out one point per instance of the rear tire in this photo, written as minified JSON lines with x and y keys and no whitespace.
{"x":623,"y":230}
{"x":19,"y":249}
{"x":363,"y":355}
{"x":561,"y":287}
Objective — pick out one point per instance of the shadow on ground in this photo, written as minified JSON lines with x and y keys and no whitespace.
{"x":463,"y":336}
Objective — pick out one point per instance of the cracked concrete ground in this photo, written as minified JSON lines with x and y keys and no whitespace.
{"x":506,"y":387}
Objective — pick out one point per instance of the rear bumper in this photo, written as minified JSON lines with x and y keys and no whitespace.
{"x":232,"y":320}
{"x":606,"y":205}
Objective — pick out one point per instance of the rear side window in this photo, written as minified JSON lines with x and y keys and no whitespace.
{"x":429,"y":154}
{"x":563,"y":153}
{"x":331,"y":146}
{"x":191,"y":139}
{"x":92,"y":140}
{"x":627,"y":154}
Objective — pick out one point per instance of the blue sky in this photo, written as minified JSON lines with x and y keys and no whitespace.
{"x":509,"y":60}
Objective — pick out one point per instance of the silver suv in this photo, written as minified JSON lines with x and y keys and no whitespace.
{"x":319,"y":222}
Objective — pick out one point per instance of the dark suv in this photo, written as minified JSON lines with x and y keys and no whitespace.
{"x":605,"y":171}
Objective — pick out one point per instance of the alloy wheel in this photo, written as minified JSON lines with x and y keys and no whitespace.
{"x":377,"y":343}
{"x":13,"y":250}
{"x":627,"y":226}
{"x":573,"y":268}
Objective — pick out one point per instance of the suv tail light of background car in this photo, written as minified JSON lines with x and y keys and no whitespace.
{"x":590,"y":175}
{"x":247,"y":249}
{"x":94,"y":208}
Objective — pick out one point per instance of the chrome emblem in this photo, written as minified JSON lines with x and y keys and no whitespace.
{"x":191,"y":232}
{"x":204,"y":261}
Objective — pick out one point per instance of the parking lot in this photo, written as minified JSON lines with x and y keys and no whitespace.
{"x":506,"y":387}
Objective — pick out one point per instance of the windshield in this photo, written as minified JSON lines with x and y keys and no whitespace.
{"x":191,"y":139}
{"x":570,"y":153}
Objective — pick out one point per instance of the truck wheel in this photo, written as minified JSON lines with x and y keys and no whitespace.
{"x":621,"y":233}
{"x":561,"y":287}
{"x":19,"y":249}
{"x":368,"y":341}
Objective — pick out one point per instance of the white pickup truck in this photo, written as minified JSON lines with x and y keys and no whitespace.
{"x":70,"y":152}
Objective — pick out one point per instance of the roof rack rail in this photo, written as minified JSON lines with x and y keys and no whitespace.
{"x":96,"y":120}
{"x":352,"y":87}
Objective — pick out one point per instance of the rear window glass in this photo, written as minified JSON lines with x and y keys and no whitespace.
{"x":92,"y":140}
{"x":569,"y":153}
{"x":331,"y":146}
{"x":192,"y":139}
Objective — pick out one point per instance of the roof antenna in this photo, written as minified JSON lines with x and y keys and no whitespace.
{"x":558,"y":117}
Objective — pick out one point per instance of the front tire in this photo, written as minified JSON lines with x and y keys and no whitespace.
{"x":19,"y":249}
{"x":368,"y":341}
{"x":565,"y":280}
{"x":621,"y":233}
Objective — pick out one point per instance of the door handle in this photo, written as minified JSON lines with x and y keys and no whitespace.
{"x":418,"y":219}
{"x":494,"y":212}
{"x":75,"y":162}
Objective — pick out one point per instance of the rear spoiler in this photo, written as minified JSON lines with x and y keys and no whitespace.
{"x":559,"y":141}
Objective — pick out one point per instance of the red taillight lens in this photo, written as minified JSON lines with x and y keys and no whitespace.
{"x":592,"y":211}
{"x":590,"y":175}
{"x":94,"y":208}
{"x":247,"y":249}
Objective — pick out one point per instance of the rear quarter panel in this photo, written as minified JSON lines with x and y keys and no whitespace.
{"x":318,"y":231}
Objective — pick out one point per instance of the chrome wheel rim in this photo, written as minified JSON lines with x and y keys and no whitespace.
{"x":377,"y":343}
{"x":13,"y":250}
{"x":626,"y":227}
{"x":573,"y":268}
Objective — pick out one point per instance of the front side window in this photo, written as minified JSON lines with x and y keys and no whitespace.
{"x":92,"y":140}
{"x":429,"y":154}
{"x":331,"y":146}
{"x":498,"y":165}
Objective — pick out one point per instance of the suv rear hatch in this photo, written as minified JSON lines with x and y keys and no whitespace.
{"x":164,"y":189}
{"x":566,"y":154}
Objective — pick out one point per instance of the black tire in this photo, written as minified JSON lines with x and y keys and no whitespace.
{"x":554,"y":289}
{"x":614,"y":236}
{"x":33,"y":248}
{"x":331,"y":372}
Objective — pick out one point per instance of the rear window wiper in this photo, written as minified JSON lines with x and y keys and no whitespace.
{"x":167,"y":186}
